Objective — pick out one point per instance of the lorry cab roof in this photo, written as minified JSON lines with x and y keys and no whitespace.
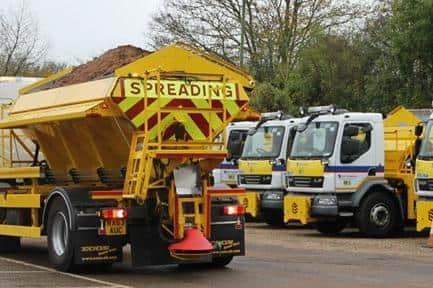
{"x":242,"y":124}
{"x":285,"y":122}
{"x":352,"y":116}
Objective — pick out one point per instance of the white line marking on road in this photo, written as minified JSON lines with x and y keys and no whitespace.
{"x":19,"y":272}
{"x":84,"y":286}
{"x":110,"y":284}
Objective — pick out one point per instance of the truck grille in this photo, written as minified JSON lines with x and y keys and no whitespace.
{"x":425,"y":184}
{"x":255,"y":179}
{"x":300,"y":181}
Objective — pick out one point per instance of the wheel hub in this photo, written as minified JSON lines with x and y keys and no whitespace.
{"x":380,"y":215}
{"x":60,"y":233}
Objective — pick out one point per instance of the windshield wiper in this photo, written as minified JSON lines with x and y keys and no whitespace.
{"x":257,"y":157}
{"x":312,"y":157}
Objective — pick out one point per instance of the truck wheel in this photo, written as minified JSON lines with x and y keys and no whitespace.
{"x":273,"y":218}
{"x":331,"y":227}
{"x":378,"y":215}
{"x":60,"y":248}
{"x":220,"y":262}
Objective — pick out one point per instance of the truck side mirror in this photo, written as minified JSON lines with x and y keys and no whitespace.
{"x":418,"y":130}
{"x":301,"y":127}
{"x":251,"y":131}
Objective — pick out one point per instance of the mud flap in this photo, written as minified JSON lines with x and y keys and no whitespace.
{"x":227,"y":232}
{"x":147,"y":248}
{"x":228,"y":240}
{"x":90,"y":248}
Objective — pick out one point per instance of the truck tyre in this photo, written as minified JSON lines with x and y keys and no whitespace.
{"x":220,"y":262}
{"x":274,"y":218}
{"x":60,"y":247}
{"x":331,"y":227}
{"x":378,"y":215}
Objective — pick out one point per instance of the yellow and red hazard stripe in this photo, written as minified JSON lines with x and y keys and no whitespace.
{"x":140,"y":108}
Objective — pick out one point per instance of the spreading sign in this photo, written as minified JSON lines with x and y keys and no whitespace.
{"x":179,"y":89}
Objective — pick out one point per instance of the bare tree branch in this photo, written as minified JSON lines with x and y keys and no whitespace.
{"x":20,"y":43}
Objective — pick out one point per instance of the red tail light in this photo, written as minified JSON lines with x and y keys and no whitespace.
{"x":114,"y":213}
{"x":234,"y":210}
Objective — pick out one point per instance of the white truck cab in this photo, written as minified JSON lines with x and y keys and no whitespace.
{"x":336,"y":173}
{"x":262,"y":166}
{"x":227,"y":171}
{"x":424,"y":178}
{"x":335,"y":153}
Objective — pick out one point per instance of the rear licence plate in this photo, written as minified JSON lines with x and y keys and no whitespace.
{"x":115,"y":227}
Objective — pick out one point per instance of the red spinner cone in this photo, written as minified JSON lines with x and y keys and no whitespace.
{"x":193,"y":242}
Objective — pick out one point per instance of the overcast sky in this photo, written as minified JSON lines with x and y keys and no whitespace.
{"x":77,"y":30}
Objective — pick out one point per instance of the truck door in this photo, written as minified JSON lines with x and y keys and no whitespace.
{"x":357,"y":158}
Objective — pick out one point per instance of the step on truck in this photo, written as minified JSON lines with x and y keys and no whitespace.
{"x":262,"y":166}
{"x":127,"y":160}
{"x":355,"y":168}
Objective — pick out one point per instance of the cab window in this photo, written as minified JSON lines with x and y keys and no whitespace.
{"x":356,"y":141}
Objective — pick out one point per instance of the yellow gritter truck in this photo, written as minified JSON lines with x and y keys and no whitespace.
{"x":127,"y":157}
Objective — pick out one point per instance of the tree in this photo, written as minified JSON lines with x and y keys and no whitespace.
{"x":21,"y":46}
{"x":275,"y":30}
{"x":411,"y":36}
{"x":44,"y":69}
{"x":397,"y":42}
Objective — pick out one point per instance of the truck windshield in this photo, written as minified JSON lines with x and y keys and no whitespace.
{"x":265,"y":143}
{"x":317,"y":141}
{"x":426,"y":150}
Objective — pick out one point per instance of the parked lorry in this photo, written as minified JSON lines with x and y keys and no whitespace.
{"x":127,"y":159}
{"x":262,"y":166}
{"x":227,"y":171}
{"x":353,"y":167}
{"x":424,"y":178}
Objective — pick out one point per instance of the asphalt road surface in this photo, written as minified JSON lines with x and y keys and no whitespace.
{"x":291,"y":257}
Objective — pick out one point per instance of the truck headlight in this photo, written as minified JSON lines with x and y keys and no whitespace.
{"x":326,"y":201}
{"x":273,"y":196}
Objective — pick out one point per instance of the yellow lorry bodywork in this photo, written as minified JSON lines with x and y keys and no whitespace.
{"x":251,"y":202}
{"x":98,"y":113}
{"x":424,"y":212}
{"x":251,"y":198}
{"x":424,"y":206}
{"x":297,"y":209}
